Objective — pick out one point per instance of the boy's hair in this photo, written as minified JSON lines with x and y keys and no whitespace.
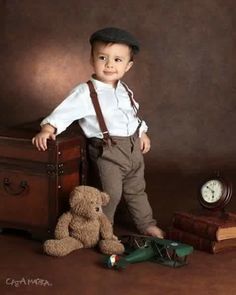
{"x":113,"y":35}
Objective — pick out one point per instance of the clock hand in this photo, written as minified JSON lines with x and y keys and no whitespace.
{"x":210,"y":189}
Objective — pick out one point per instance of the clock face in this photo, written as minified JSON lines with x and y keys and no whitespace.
{"x":215,"y":194}
{"x":212,"y":191}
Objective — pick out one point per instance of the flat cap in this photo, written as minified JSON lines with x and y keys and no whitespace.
{"x":116,"y":35}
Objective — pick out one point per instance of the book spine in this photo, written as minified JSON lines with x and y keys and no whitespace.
{"x":198,"y":227}
{"x":191,"y":239}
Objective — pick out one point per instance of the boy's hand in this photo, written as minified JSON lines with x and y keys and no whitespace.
{"x":145,"y":143}
{"x":40,"y":139}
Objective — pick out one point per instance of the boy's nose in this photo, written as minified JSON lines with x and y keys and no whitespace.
{"x":109,"y":64}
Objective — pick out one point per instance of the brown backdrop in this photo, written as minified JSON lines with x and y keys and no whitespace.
{"x":183,"y":78}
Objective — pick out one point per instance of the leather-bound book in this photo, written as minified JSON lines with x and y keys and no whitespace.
{"x":200,"y":243}
{"x":209,"y":226}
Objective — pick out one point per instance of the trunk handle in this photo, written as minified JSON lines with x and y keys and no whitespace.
{"x":8,"y":187}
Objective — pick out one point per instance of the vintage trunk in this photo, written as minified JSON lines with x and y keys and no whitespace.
{"x":35,"y":186}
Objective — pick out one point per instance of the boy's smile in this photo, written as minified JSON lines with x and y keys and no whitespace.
{"x":110,"y":61}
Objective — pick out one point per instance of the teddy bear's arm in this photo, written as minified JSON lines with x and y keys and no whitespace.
{"x":62,"y":227}
{"x":106,"y":229}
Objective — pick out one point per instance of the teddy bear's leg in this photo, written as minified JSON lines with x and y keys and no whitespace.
{"x":110,"y":247}
{"x":61,"y":247}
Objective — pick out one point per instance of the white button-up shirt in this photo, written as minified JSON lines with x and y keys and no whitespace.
{"x":118,"y":113}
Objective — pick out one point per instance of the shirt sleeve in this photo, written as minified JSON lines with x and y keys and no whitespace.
{"x":143,"y":126}
{"x":72,"y":108}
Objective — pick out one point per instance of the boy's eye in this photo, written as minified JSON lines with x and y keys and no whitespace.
{"x":101,"y":57}
{"x":118,"y":59}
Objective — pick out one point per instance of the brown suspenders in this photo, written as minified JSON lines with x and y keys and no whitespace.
{"x":106,"y":137}
{"x":130,"y":97}
{"x":101,"y":122}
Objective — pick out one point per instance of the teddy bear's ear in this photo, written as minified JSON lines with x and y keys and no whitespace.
{"x":105,"y":198}
{"x":76,"y":194}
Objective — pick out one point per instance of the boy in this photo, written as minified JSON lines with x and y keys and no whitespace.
{"x":118,"y":140}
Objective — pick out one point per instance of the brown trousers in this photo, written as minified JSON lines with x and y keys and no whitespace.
{"x":121,"y":172}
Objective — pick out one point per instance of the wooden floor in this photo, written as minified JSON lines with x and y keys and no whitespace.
{"x":24,"y":269}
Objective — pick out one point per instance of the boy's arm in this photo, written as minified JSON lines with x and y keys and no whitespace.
{"x":40,"y":139}
{"x":145,"y":143}
{"x":74,"y":107}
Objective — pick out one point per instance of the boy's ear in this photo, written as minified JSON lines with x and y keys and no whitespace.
{"x":129,"y":66}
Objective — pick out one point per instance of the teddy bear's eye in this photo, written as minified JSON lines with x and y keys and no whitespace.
{"x":92,"y":202}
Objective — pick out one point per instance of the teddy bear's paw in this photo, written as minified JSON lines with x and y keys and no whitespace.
{"x":61,"y":247}
{"x":110,"y":247}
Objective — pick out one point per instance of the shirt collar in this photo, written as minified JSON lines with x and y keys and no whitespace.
{"x":99,"y":84}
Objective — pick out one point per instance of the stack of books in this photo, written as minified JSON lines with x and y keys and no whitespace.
{"x":210,"y":232}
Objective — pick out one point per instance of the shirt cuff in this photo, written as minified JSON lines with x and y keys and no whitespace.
{"x":142,"y":128}
{"x":59,"y":128}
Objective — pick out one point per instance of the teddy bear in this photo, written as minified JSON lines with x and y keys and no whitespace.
{"x":84,"y":225}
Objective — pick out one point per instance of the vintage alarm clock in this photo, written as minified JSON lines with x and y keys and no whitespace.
{"x":215,"y":194}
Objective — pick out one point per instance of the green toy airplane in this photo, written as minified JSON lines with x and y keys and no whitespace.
{"x":144,"y":248}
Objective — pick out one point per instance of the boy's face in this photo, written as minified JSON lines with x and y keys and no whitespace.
{"x":110,"y":61}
